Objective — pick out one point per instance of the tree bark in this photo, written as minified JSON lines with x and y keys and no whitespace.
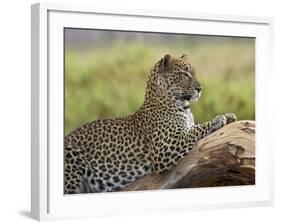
{"x":223,"y":158}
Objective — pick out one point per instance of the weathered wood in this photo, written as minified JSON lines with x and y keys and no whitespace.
{"x":224,"y":158}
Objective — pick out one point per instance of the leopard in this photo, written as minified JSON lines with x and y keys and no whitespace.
{"x":108,"y":154}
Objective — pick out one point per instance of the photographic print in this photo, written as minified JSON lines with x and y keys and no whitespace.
{"x":149,"y":111}
{"x":137,"y":111}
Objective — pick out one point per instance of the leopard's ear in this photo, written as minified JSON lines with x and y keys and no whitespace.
{"x":165,"y":62}
{"x":184,"y":56}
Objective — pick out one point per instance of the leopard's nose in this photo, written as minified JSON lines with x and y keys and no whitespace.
{"x":198,"y":89}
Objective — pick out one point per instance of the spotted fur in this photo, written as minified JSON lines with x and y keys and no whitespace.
{"x":108,"y":154}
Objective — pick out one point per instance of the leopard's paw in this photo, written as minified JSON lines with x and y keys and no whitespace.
{"x":219,"y":121}
{"x":230,"y":117}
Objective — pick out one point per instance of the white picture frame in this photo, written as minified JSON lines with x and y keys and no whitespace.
{"x":48,"y":201}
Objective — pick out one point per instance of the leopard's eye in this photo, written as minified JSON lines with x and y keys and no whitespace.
{"x":186,"y":74}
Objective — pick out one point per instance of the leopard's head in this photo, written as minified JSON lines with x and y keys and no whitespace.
{"x":177,"y":78}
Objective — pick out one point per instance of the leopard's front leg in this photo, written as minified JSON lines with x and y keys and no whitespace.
{"x":202,"y":130}
{"x":166,"y":151}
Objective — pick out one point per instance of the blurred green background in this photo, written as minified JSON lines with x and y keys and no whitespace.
{"x":106,"y":73}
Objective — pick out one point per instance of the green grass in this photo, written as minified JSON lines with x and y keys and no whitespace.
{"x":110,"y":81}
